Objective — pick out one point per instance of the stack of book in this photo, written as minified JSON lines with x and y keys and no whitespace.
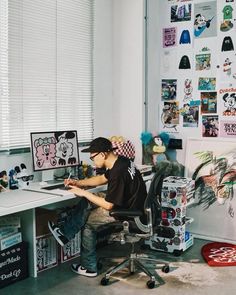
{"x":10,"y":233}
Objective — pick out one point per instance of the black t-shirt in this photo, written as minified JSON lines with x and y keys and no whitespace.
{"x":126,"y":188}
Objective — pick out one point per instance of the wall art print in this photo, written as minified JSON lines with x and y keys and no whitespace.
{"x":212,"y":164}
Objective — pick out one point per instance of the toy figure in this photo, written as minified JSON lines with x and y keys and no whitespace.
{"x":3,"y":179}
{"x":13,"y":182}
{"x":23,"y":176}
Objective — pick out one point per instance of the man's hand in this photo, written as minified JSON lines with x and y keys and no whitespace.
{"x":71,"y":182}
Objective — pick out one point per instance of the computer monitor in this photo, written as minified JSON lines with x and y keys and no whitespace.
{"x":54,"y":149}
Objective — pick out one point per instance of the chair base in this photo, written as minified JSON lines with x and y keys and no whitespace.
{"x":133,"y":263}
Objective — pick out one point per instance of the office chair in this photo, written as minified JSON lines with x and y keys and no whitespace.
{"x":135,"y":229}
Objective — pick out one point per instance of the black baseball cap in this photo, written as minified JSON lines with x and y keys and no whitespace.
{"x":99,"y":144}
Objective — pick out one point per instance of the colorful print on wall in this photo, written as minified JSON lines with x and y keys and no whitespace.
{"x":228,"y":99}
{"x":227,"y":44}
{"x":228,"y":129}
{"x":169,"y":36}
{"x":203,"y":61}
{"x":184,"y":63}
{"x":205,"y":19}
{"x":206,"y":83}
{"x":210,"y":126}
{"x":181,"y":12}
{"x":188,"y":89}
{"x":212,"y":166}
{"x":208,"y":102}
{"x":185,"y":37}
{"x":211,"y":163}
{"x":227,"y":68}
{"x":227,"y":24}
{"x":170,"y":115}
{"x":168,"y":89}
{"x":190,"y":115}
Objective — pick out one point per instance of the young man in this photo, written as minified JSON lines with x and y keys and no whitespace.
{"x":125,"y":189}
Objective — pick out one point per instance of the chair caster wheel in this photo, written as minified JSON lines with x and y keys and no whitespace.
{"x":150,"y":284}
{"x":104,"y":281}
{"x":177,"y":252}
{"x":165,"y":268}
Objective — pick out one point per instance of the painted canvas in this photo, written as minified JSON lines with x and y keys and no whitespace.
{"x":212,"y":164}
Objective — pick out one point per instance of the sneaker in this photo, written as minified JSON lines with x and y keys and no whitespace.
{"x":80,"y":270}
{"x":58,"y":235}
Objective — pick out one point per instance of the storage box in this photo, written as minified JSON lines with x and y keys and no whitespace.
{"x":10,"y":241}
{"x":177,"y":191}
{"x":71,"y":249}
{"x":46,"y":248}
{"x":13,"y":264}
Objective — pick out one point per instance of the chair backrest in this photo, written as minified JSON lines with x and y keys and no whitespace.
{"x":153,"y":200}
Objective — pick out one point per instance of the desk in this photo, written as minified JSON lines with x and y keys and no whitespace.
{"x":24,"y":203}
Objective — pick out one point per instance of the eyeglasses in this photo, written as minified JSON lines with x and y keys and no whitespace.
{"x":92,"y":157}
{"x":26,"y":178}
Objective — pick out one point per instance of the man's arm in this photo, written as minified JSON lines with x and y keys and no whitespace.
{"x":92,"y":181}
{"x":101,"y":202}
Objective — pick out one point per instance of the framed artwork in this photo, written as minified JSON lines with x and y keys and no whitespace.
{"x":212,"y":164}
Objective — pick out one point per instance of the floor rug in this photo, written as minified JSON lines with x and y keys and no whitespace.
{"x":219,"y":254}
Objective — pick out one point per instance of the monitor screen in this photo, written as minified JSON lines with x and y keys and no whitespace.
{"x":55,"y":149}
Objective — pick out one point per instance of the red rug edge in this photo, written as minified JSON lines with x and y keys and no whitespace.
{"x":217,"y":245}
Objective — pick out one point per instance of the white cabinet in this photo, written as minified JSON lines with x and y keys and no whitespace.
{"x":172,"y":234}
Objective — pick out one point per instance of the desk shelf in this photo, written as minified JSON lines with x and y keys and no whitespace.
{"x":24,"y":202}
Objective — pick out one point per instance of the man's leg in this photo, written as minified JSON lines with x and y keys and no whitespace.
{"x":88,"y":258}
{"x":72,"y":224}
{"x":88,"y":247}
{"x":76,"y":219}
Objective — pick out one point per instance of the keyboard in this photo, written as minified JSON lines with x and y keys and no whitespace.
{"x":55,"y":186}
{"x":63,"y":187}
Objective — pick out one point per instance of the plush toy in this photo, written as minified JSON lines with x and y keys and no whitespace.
{"x":154,"y":147}
{"x":123,"y":147}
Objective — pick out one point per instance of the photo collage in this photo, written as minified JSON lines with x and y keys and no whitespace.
{"x":198,"y":68}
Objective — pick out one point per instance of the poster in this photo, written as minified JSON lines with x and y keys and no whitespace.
{"x":169,"y":37}
{"x":170,"y":116}
{"x":168,"y":89}
{"x":205,"y":19}
{"x":181,"y":12}
{"x":228,"y":129}
{"x":212,"y":164}
{"x":210,"y":126}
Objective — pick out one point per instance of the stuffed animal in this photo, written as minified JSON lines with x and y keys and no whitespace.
{"x":154,"y":147}
{"x":123,"y":147}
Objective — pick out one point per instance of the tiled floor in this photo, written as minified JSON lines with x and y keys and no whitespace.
{"x":189,"y":274}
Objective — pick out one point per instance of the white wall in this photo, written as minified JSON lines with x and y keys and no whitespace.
{"x":128,"y":71}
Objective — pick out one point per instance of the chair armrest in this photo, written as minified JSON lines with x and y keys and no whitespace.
{"x":125,"y":213}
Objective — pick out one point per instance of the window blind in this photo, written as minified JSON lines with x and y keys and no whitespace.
{"x":46,"y":69}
